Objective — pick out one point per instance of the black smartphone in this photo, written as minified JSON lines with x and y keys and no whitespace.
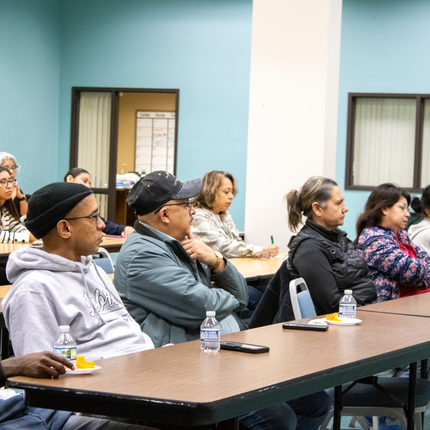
{"x":313,"y":327}
{"x":244,"y":347}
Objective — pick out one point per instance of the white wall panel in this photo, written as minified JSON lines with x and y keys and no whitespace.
{"x":293,"y":107}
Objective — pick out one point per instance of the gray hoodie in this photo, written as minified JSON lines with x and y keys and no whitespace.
{"x":49,"y":291}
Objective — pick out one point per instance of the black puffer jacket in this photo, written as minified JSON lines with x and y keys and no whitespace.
{"x":329,"y":263}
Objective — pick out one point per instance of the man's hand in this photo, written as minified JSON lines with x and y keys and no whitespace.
{"x":270,"y":251}
{"x":127,"y":231}
{"x":37,"y":365}
{"x":198,"y":250}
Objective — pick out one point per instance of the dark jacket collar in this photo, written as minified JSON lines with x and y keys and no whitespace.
{"x":333,"y":235}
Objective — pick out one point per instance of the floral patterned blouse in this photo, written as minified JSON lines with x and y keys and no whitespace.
{"x":394,"y":272}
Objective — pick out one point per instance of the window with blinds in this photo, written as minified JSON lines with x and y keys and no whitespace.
{"x":388,"y":140}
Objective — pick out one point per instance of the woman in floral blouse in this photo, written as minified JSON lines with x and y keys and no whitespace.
{"x":398,"y":267}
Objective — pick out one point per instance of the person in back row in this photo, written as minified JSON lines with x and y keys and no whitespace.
{"x":15,"y":415}
{"x":81,"y":176}
{"x":163,"y":274}
{"x":59,"y":284}
{"x":8,"y":161}
{"x":398,"y":267}
{"x":9,"y":217}
{"x":213,"y":225}
{"x":420,"y":233}
{"x":321,"y":253}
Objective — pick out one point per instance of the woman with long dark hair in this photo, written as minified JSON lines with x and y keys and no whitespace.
{"x":9,"y":216}
{"x":321,"y":253}
{"x":398,"y":267}
{"x":8,"y":161}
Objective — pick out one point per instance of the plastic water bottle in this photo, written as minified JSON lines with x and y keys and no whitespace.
{"x":348,"y":306}
{"x":65,"y":345}
{"x":210,"y":333}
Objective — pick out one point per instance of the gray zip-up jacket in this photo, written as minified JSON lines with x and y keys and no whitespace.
{"x":167,"y":293}
{"x":49,"y":291}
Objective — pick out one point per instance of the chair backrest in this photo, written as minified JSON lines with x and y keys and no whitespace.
{"x":303,"y":306}
{"x":105,"y":261}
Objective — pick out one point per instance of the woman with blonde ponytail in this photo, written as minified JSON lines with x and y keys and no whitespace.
{"x":321,"y":253}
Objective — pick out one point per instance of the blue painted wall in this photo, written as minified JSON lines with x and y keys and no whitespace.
{"x":384,"y":49}
{"x":29,"y":87}
{"x":201,"y":47}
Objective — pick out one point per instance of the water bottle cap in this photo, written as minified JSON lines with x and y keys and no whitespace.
{"x":64,"y":328}
{"x":348,"y":291}
{"x":210,"y":313}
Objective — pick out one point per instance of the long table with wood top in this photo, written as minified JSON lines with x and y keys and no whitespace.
{"x":257,"y":268}
{"x":418,"y":305}
{"x":184,"y":386}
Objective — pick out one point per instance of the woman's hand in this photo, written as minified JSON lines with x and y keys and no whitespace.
{"x":270,"y":251}
{"x":17,"y":192}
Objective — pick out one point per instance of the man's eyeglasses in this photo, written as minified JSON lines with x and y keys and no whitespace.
{"x":188,"y":205}
{"x":5,"y":183}
{"x":14,"y":167}
{"x":94,"y":217}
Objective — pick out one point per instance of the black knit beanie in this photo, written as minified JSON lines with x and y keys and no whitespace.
{"x":51,"y":204}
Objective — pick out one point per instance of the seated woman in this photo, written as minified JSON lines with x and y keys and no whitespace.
{"x":9,"y":217}
{"x":213,"y":225}
{"x":19,"y":199}
{"x":398,"y":267}
{"x":81,"y":176}
{"x":420,"y":233}
{"x":321,"y":253}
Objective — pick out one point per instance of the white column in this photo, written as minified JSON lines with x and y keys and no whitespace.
{"x":293,"y":107}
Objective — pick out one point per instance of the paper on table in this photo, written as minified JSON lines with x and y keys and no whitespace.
{"x":280,"y":256}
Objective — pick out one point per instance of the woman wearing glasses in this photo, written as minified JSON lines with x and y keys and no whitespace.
{"x":8,"y":161}
{"x":212,"y":223}
{"x":214,"y":226}
{"x":9,"y":216}
{"x":81,"y":176}
{"x":398,"y":267}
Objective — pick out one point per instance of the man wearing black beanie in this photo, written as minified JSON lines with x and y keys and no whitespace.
{"x":59,"y":284}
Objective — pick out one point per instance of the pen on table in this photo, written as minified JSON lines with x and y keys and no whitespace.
{"x":271,"y":237}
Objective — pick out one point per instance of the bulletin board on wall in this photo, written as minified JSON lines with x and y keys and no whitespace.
{"x":155,"y":141}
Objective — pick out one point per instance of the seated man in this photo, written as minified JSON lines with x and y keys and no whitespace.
{"x":15,"y":415}
{"x":163,"y":274}
{"x":59,"y":284}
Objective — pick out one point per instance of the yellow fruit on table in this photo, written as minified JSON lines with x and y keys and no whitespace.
{"x":82,"y":364}
{"x":333,"y":317}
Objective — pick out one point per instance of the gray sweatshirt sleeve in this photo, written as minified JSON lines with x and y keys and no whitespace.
{"x":31,"y":320}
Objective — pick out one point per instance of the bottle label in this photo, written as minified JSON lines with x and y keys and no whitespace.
{"x":67,"y":353}
{"x":210,"y":335}
{"x":347,"y":310}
